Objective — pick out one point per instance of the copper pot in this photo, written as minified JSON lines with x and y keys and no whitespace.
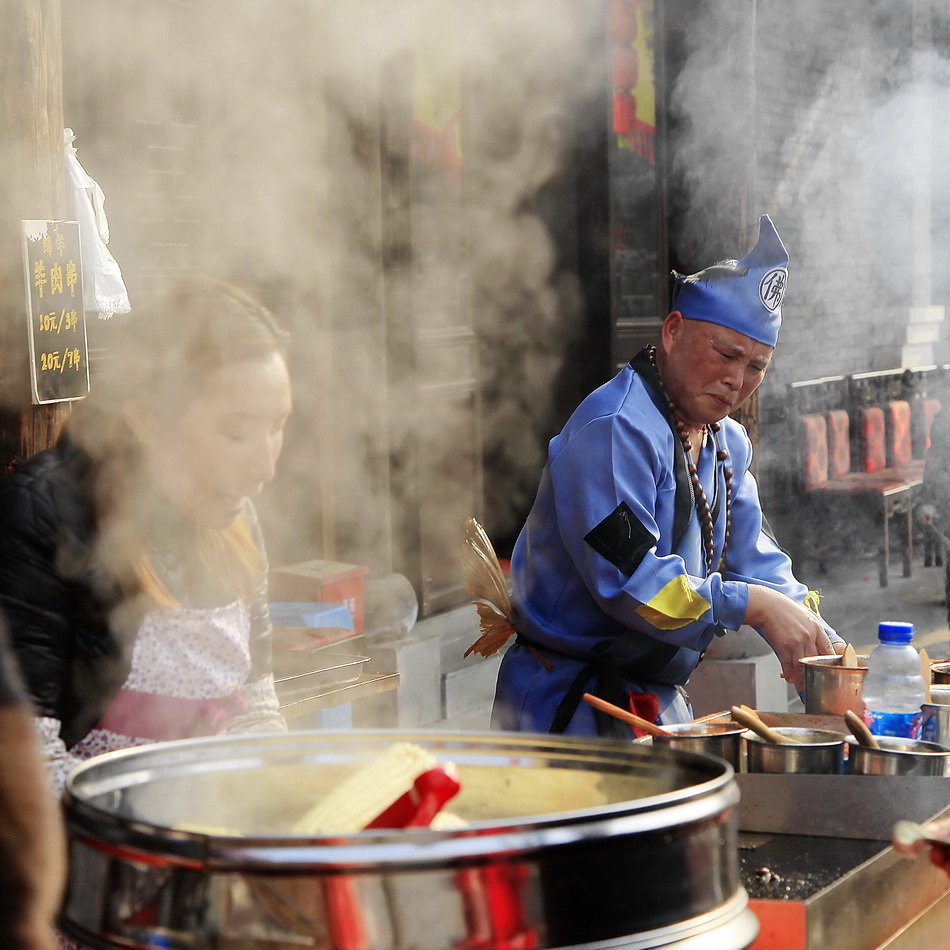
{"x":832,"y":689}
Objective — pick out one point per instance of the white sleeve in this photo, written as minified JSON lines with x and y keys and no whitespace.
{"x":59,"y":761}
{"x":261,"y":712}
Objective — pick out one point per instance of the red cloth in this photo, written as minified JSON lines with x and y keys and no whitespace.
{"x":150,"y":716}
{"x":646,"y":706}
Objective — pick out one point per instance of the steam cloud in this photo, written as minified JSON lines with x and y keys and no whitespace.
{"x":300,"y":120}
{"x":844,"y":153}
{"x":286,"y":111}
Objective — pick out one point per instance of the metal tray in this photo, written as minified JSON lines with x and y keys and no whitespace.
{"x":306,"y":670}
{"x":828,"y":839}
{"x":300,"y":639}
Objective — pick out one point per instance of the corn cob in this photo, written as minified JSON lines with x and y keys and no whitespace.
{"x":360,"y":797}
{"x":217,"y":831}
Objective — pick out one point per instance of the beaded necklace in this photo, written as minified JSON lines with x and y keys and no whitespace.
{"x":702,"y":503}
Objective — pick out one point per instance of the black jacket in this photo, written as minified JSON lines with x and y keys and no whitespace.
{"x":69,"y":627}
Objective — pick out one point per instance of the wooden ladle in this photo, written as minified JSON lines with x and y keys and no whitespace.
{"x":849,"y":658}
{"x":750,"y":719}
{"x":860,"y":730}
{"x":628,"y":717}
{"x":927,"y":672}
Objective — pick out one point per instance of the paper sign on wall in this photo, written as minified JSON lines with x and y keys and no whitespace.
{"x":59,"y":367}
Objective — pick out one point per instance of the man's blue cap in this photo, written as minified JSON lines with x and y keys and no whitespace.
{"x":743,"y":295}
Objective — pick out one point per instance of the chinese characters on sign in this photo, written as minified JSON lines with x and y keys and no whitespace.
{"x":58,"y":369}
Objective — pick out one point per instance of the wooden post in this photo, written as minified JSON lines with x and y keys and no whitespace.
{"x":741,"y":205}
{"x":31,"y":186}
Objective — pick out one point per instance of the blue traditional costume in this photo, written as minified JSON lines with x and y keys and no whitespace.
{"x":614,"y":590}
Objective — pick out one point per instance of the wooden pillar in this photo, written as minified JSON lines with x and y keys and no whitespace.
{"x":745,"y":210}
{"x":707,"y":103}
{"x":31,"y":186}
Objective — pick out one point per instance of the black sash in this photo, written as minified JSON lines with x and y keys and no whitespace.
{"x":605,"y":677}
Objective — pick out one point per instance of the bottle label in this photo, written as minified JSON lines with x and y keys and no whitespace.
{"x":903,"y":725}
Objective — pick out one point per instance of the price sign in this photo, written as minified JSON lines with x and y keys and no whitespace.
{"x":59,"y":368}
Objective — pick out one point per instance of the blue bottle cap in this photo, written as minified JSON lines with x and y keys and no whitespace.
{"x":892,"y":631}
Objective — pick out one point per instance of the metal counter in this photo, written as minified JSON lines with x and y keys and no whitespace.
{"x":816,"y":860}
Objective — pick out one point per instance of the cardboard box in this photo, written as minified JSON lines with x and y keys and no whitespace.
{"x":327,"y":582}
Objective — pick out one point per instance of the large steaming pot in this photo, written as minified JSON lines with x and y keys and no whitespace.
{"x":568,"y":843}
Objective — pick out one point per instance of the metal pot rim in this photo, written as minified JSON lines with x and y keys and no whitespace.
{"x":832,"y":738}
{"x":924,"y":747}
{"x":704,"y":730}
{"x":682,"y":806}
{"x":831,"y":661}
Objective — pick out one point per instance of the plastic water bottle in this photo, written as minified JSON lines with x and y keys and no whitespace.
{"x":893,"y":689}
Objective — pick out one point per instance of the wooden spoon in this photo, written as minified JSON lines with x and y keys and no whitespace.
{"x":927,"y":672}
{"x":750,"y":718}
{"x":627,"y":717}
{"x":849,"y":658}
{"x":860,"y":730}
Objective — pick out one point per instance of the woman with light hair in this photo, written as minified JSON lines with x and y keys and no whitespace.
{"x":133,"y":572}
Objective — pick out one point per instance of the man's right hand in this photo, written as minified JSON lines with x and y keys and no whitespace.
{"x":937,"y":841}
{"x":792,"y":630}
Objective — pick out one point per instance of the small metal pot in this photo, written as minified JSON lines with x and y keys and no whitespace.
{"x":832,"y":689}
{"x":941,"y":673}
{"x":817,"y":752}
{"x":725,"y":740}
{"x":940,"y":695}
{"x":898,"y":757}
{"x":935,"y":719}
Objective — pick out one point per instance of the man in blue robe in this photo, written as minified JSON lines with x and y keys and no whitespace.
{"x":646,"y":538}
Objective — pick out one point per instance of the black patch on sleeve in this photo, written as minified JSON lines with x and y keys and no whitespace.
{"x":622,"y":539}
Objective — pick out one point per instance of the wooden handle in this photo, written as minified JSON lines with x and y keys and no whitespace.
{"x":860,"y":730}
{"x":750,"y":719}
{"x":622,"y":714}
{"x":927,"y":672}
{"x":849,"y":658}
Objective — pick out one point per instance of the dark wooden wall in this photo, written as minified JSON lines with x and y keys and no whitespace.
{"x":31,"y":187}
